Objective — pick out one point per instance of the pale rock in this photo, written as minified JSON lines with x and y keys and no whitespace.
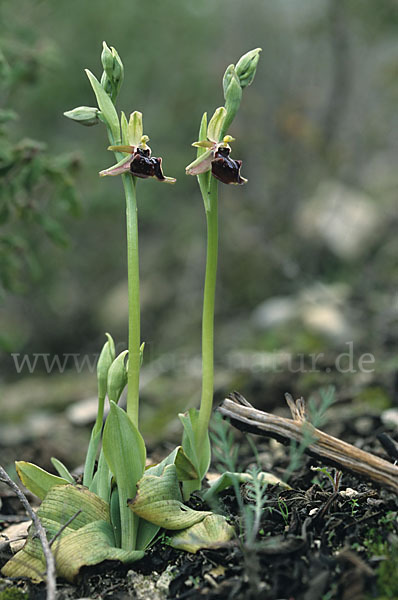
{"x":344,"y":217}
{"x":17,"y":534}
{"x":275,"y":311}
{"x":389,"y":418}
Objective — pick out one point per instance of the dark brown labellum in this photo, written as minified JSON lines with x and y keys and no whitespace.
{"x":226,"y":169}
{"x":144,"y":166}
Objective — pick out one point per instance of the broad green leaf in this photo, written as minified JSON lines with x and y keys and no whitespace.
{"x":91,"y":454}
{"x":37,"y":480}
{"x":158,"y":500}
{"x":62,"y":470}
{"x":87,"y":540}
{"x":101,"y":483}
{"x":90,"y":545}
{"x":212,"y":532}
{"x":228,"y":479}
{"x":125,"y":453}
{"x":115,"y":516}
{"x":124,"y":448}
{"x":188,"y":436}
{"x":185,"y":468}
{"x":200,"y":457}
{"x":145,"y":534}
{"x":106,"y":107}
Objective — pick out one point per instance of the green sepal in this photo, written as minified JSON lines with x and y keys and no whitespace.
{"x":203,"y":144}
{"x":204,"y":178}
{"x":62,"y":470}
{"x":37,"y":480}
{"x":212,"y":532}
{"x":135,"y":128}
{"x":159,"y":501}
{"x":124,"y":128}
{"x":216,"y":123}
{"x":106,"y":106}
{"x":201,"y":164}
{"x":125,"y":453}
{"x":120,"y":168}
{"x":126,"y":148}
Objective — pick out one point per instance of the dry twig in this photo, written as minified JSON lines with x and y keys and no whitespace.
{"x":321,"y":445}
{"x":41,"y":532}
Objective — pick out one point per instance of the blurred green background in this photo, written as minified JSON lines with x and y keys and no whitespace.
{"x":308,"y":248}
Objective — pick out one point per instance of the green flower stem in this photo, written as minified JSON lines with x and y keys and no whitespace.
{"x":133,"y":377}
{"x":133,"y":275}
{"x":206,"y":404}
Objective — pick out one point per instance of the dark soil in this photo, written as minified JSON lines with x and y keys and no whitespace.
{"x":314,"y":543}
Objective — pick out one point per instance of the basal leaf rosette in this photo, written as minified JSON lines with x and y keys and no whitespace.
{"x":87,"y":540}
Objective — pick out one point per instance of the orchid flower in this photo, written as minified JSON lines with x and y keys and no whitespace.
{"x":217,"y":159}
{"x":139,"y":162}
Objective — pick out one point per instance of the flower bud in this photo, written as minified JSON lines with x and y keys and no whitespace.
{"x":118,"y":69}
{"x":106,"y":84}
{"x":246,"y":67}
{"x":112,"y":77}
{"x":85,"y":115}
{"x":105,"y":360}
{"x":107,"y":60}
{"x":228,"y":75}
{"x":233,"y":97}
{"x":117,"y":377}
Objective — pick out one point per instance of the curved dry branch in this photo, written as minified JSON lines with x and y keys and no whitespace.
{"x":321,"y":445}
{"x":41,"y":532}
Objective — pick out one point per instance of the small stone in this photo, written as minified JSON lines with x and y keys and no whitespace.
{"x":389,"y":418}
{"x":17,"y":535}
{"x":345,"y":218}
{"x":349,"y":493}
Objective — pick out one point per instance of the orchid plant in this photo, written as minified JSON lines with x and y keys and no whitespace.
{"x":121,"y":505}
